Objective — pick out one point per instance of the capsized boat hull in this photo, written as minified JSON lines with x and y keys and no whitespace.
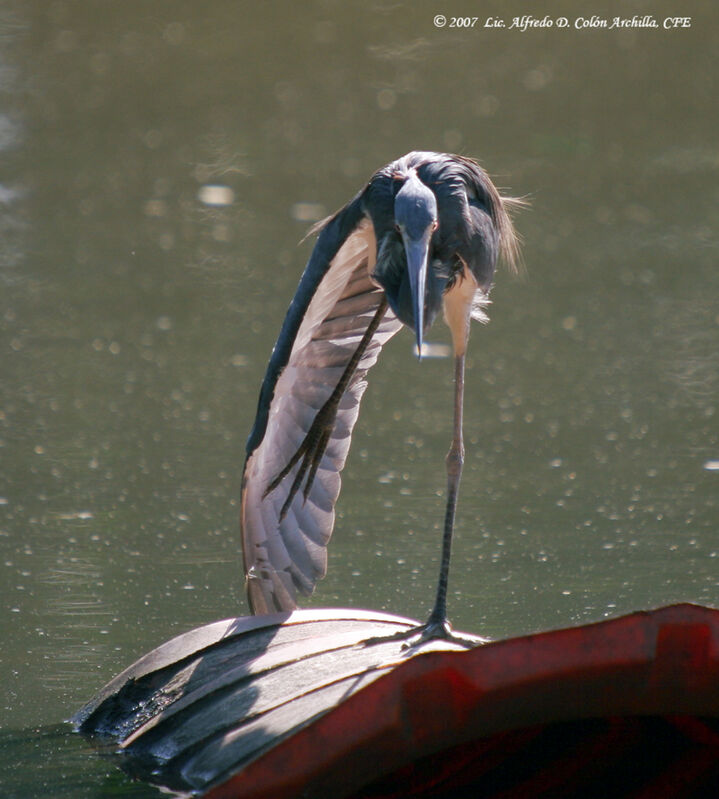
{"x":331,"y":703}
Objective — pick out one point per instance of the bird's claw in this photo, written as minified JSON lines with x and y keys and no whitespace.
{"x":441,"y":630}
{"x":432,"y":630}
{"x":310,"y":452}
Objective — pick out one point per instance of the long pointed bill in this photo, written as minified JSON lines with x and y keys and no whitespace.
{"x":416,"y":251}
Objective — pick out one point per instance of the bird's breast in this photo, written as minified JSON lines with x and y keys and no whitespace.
{"x":457,"y":306}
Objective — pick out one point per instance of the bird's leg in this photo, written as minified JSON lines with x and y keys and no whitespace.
{"x":458,"y":306}
{"x":315,"y":442}
{"x":438,"y":625}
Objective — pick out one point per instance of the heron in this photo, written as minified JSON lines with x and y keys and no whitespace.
{"x":423,"y":235}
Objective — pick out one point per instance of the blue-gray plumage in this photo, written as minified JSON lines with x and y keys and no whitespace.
{"x":423,"y":235}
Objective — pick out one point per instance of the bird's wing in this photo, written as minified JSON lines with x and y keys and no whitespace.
{"x":332,"y":309}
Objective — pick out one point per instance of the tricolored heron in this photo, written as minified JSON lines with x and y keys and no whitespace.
{"x":425,"y":233}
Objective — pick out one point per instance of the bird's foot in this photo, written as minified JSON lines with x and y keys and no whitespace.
{"x":440,"y":629}
{"x":310,"y":453}
{"x":431,"y":630}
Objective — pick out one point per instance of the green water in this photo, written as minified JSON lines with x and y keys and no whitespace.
{"x":136,"y":321}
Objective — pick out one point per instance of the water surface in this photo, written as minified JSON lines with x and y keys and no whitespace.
{"x":139,"y":306}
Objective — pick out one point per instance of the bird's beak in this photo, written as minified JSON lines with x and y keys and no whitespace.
{"x":417,"y":251}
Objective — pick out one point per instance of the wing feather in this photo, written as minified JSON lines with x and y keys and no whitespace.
{"x":284,"y":558}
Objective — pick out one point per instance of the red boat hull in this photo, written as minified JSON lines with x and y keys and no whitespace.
{"x":625,"y":707}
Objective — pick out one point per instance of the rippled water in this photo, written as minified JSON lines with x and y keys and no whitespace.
{"x":161,"y":164}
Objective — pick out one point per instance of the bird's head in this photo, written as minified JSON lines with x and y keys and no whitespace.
{"x":415,"y":215}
